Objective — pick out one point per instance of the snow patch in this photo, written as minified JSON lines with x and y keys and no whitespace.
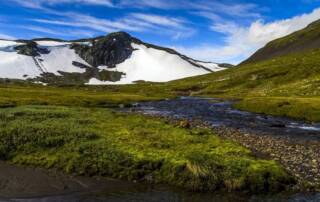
{"x":210,"y":65}
{"x":6,"y":43}
{"x":15,"y":66}
{"x":94,"y":81}
{"x":51,"y":43}
{"x":60,"y":58}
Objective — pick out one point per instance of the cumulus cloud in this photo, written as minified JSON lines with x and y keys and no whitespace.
{"x":242,"y":41}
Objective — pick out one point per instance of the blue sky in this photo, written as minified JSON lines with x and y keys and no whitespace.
{"x":213,"y":30}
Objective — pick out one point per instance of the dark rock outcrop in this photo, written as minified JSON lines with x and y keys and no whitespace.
{"x":108,"y":51}
{"x":30,"y":48}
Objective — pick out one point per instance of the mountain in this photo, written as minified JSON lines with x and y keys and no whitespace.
{"x":117,"y":58}
{"x":298,"y":42}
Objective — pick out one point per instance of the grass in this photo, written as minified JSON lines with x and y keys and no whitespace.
{"x":264,"y":85}
{"x":295,"y":75}
{"x":307,"y":109}
{"x":96,"y":141}
{"x":86,"y":96}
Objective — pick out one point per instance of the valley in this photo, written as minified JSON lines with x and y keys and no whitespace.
{"x":117,"y":107}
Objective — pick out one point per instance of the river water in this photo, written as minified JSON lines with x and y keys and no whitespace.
{"x":217,"y":112}
{"x":30,"y":184}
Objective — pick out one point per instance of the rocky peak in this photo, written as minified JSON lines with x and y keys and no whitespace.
{"x":109,"y":51}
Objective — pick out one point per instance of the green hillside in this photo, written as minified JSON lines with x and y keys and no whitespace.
{"x":298,"y":42}
{"x":285,"y":81}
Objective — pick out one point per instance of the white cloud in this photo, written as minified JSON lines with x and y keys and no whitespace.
{"x":65,"y":32}
{"x":159,"y":20}
{"x":175,"y":27}
{"x":160,"y":4}
{"x":241,"y":41}
{"x":88,"y":21}
{"x":137,"y":22}
{"x":229,"y":9}
{"x":39,"y":4}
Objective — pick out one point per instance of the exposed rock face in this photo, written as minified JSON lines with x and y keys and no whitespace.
{"x":74,"y":78}
{"x":31,"y":49}
{"x":115,"y":48}
{"x":107,"y":51}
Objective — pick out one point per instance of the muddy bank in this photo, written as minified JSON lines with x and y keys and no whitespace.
{"x":19,"y":183}
{"x":23,"y":184}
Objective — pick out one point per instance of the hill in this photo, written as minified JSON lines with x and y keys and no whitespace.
{"x":281,"y":79}
{"x":298,"y":42}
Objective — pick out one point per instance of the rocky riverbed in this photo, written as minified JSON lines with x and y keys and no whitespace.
{"x":294,"y":144}
{"x":301,"y":158}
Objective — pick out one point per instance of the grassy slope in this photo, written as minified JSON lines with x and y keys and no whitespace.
{"x":297,"y":42}
{"x":91,"y":141}
{"x":287,"y":85}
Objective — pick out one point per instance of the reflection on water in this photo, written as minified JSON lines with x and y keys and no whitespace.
{"x":163,"y":195}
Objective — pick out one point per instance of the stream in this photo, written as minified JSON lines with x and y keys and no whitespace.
{"x":32,"y":184}
{"x":217,"y":112}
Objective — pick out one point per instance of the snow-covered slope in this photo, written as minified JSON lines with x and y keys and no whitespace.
{"x":131,"y":59}
{"x":153,"y":65}
{"x":18,"y":66}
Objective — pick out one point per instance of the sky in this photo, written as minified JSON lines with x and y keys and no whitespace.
{"x":224,"y":31}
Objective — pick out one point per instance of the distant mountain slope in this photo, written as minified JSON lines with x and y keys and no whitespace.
{"x":294,"y":71}
{"x":116,"y":58}
{"x":305,"y":39}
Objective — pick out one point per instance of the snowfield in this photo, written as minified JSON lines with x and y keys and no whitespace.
{"x":15,"y":66}
{"x":60,"y":58}
{"x":150,"y":64}
{"x":147,"y":64}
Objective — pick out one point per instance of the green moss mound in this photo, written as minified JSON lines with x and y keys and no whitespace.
{"x":132,"y":147}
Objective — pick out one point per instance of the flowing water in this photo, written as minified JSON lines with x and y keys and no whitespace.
{"x":217,"y":112}
{"x":29,"y":184}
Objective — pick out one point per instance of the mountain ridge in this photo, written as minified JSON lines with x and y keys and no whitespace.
{"x":105,"y":59}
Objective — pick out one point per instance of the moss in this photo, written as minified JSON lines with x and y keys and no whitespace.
{"x":100,"y":142}
{"x":300,"y":108}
